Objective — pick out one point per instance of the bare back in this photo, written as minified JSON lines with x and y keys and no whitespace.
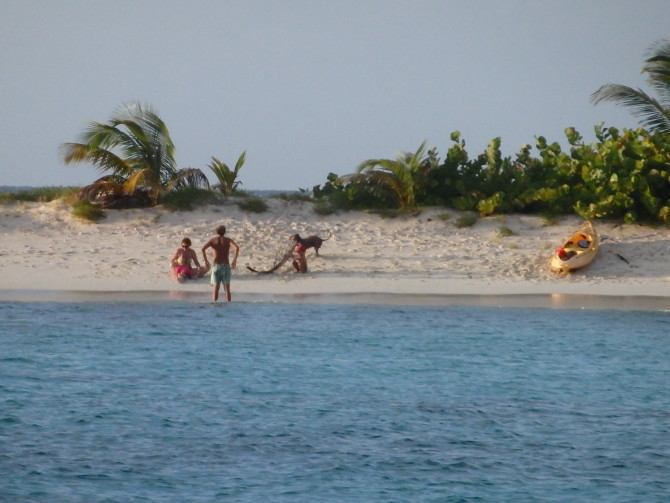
{"x":221,"y":275}
{"x":221,"y":246}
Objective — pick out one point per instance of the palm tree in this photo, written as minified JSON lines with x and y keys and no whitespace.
{"x":399,"y":177}
{"x":227,"y":178}
{"x":654,"y":114}
{"x":136,"y":149}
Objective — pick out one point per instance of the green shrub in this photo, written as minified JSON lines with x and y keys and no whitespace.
{"x":506,"y":231}
{"x":624,"y":175}
{"x":86,"y":210}
{"x":302,"y":195}
{"x":187,"y":198}
{"x":253,"y":204}
{"x":466,"y":220}
{"x":38,"y":195}
{"x":7,"y":197}
{"x":491,"y":205}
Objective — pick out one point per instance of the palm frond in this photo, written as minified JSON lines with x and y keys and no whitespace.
{"x":98,"y":135}
{"x":102,"y":159}
{"x":240,"y":162}
{"x":107,"y":186}
{"x":419,"y":155}
{"x":399,"y":176}
{"x":227,"y":178}
{"x":651,"y":113}
{"x":146,"y":181}
{"x":189,"y":177}
{"x":148,"y":142}
{"x":657,"y":68}
{"x":385,"y":176}
{"x":74,"y":152}
{"x":134,"y":144}
{"x":220,"y":170}
{"x":142,"y":178}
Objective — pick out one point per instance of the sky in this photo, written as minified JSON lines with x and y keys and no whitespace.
{"x":310,"y":87}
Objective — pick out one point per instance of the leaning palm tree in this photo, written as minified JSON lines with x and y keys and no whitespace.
{"x":135,"y":148}
{"x":398,"y":177}
{"x":654,"y":114}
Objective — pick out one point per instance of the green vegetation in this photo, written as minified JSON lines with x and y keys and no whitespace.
{"x":227,"y":177}
{"x":624,"y":175}
{"x":397,"y":180}
{"x":466,"y":220}
{"x":303,"y":195}
{"x":654,"y":114}
{"x":135,"y":148}
{"x":38,"y":195}
{"x":253,"y":204}
{"x":187,"y":198}
{"x":86,"y":210}
{"x":549,"y":219}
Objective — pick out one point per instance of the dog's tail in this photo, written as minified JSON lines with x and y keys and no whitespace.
{"x":330,"y":235}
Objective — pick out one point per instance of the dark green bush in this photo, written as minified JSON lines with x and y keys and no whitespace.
{"x":38,"y":195}
{"x":624,"y":175}
{"x":466,"y":220}
{"x":303,"y":195}
{"x":253,"y":204}
{"x":86,"y":210}
{"x":188,"y":198}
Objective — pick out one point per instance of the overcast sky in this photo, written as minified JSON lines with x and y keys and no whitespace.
{"x":309,"y":87}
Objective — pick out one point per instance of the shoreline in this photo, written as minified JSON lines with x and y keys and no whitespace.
{"x":423,"y":259}
{"x":533,"y":301}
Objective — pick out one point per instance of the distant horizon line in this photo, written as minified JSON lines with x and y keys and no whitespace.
{"x":18,"y":188}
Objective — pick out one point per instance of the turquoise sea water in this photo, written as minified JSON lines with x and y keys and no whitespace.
{"x":263,"y":402}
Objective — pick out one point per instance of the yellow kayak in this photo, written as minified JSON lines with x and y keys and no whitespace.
{"x":578,"y":250}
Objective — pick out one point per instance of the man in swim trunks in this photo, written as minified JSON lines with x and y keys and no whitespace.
{"x":221,"y":266}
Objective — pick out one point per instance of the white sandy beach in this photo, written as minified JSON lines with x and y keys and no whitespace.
{"x":46,"y":253}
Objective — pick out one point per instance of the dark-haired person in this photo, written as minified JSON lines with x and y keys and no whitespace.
{"x":299,"y":259}
{"x":221,"y":264}
{"x":182,"y":263}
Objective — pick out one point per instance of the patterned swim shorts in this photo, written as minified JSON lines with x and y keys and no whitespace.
{"x":220,"y":274}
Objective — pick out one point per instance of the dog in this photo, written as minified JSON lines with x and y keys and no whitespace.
{"x":311,"y":241}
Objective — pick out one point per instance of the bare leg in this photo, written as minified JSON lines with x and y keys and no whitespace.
{"x":215,"y":294}
{"x":226,"y":288}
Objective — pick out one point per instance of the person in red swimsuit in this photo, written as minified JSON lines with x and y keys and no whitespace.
{"x":182,"y":263}
{"x":299,"y":259}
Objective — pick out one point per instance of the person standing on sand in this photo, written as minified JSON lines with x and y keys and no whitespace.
{"x":221,"y":266}
{"x":299,"y":259}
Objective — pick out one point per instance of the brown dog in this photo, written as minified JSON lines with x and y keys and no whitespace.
{"x":311,"y":241}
